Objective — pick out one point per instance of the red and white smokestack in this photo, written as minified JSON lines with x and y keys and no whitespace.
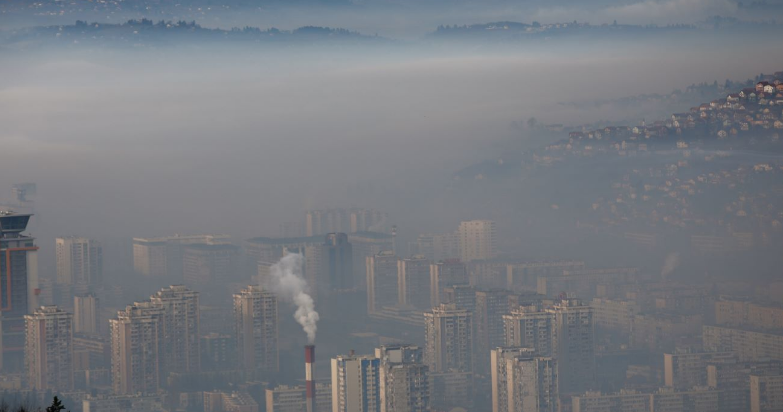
{"x":310,"y":377}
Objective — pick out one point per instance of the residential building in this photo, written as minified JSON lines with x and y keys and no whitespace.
{"x":356,"y":384}
{"x":404,"y":379}
{"x":284,"y":398}
{"x":136,"y":342}
{"x":218,"y":352}
{"x":500,"y":377}
{"x":451,"y":389}
{"x":574,"y":345}
{"x":229,"y":402}
{"x":163,"y":256}
{"x":477,"y":240}
{"x":338,"y":264}
{"x":444,"y":274}
{"x":414,"y":282}
{"x":489,"y":331}
{"x":49,"y":349}
{"x":766,"y":393}
{"x":749,"y":345}
{"x":85,"y":314}
{"x":532,"y":384}
{"x":531,"y":327}
{"x":79,"y":262}
{"x":364,"y":245}
{"x":449,"y":339}
{"x":699,"y":399}
{"x":524,"y":276}
{"x":624,"y":401}
{"x":684,"y":370}
{"x":181,"y":336}
{"x":210,"y":264}
{"x":382,"y":281}
{"x":123,"y":403}
{"x":256,"y":329}
{"x":614,"y":315}
{"x":19,"y":283}
{"x":464,"y":296}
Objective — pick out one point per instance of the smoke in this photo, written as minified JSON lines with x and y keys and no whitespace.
{"x":669,"y":264}
{"x":285,"y":279}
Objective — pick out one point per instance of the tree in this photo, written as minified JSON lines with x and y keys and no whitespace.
{"x":56,"y":406}
{"x":531,"y":123}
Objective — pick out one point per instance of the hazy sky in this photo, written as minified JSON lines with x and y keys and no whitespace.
{"x":238,"y":141}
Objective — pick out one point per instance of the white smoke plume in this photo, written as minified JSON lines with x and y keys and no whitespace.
{"x":671,"y":263}
{"x":285,"y":279}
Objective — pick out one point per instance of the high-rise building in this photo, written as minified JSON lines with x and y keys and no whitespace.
{"x":446,"y":246}
{"x":85,"y":314}
{"x":404,"y":379}
{"x":766,"y":393}
{"x":364,"y":245}
{"x":356,"y":384}
{"x":162,"y":256}
{"x":181,"y":348}
{"x":749,"y":344}
{"x":286,"y":398}
{"x":684,"y":370}
{"x":448,"y":339}
{"x":218,"y":352}
{"x":464,"y":296}
{"x":491,"y":305}
{"x":532,"y":384}
{"x":79,"y":262}
{"x":625,"y":401}
{"x":153,"y":338}
{"x":382,"y":281}
{"x":414,"y":282}
{"x":452,"y":389}
{"x":18,"y":286}
{"x":219,"y":401}
{"x":204,"y":263}
{"x":136,"y":344}
{"x":531,"y":327}
{"x":444,"y":274}
{"x":337,"y":263}
{"x":574,"y":345}
{"x":732,"y":381}
{"x":256,"y":320}
{"x":477,"y":240}
{"x":500,"y":377}
{"x":49,"y":349}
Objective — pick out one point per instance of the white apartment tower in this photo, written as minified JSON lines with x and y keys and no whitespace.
{"x":356,"y":384}
{"x":49,"y":349}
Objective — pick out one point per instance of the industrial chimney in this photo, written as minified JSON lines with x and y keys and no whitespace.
{"x":310,"y":377}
